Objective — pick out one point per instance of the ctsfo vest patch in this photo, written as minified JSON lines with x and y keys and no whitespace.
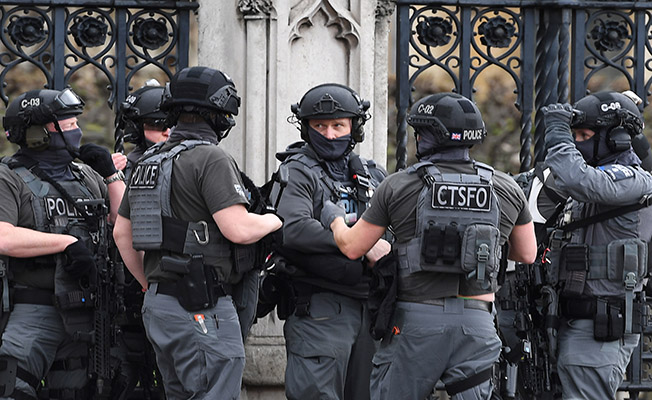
{"x":145,"y":175}
{"x":617,"y":172}
{"x":461,"y":196}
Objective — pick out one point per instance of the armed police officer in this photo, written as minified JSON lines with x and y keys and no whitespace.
{"x":450,"y":215}
{"x":186,"y":208}
{"x":328,"y":345}
{"x":52,"y":220}
{"x":141,"y":121}
{"x":599,"y":249}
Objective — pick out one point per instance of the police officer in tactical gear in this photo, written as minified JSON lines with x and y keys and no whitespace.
{"x":49,"y":227}
{"x":186,"y":211}
{"x":599,"y":249}
{"x":142,"y":121}
{"x":327,"y":337}
{"x":450,"y":215}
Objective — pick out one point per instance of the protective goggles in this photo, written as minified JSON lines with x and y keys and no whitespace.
{"x":66,"y":99}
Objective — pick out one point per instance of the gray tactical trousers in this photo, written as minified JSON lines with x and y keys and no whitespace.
{"x":432,"y":342}
{"x":196,"y":362}
{"x":588,"y":369}
{"x":35,"y":335}
{"x":329,"y":352}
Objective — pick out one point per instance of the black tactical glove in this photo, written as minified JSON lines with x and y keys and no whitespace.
{"x":98,"y":158}
{"x":557,"y":120}
{"x":276,"y":263}
{"x":329,"y":212}
{"x":80,"y":261}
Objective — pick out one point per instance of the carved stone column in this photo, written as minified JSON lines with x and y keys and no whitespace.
{"x":256,"y":15}
{"x":384,"y":11}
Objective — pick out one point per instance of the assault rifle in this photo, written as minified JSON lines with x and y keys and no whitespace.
{"x":108,"y":304}
{"x":528,"y":360}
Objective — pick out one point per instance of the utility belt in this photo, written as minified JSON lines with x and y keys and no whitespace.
{"x":468,"y":303}
{"x":198,"y":288}
{"x":44,"y":297}
{"x":170,"y":289}
{"x":608,"y":315}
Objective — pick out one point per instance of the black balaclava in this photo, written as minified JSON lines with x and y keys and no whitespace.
{"x":196,"y":131}
{"x":329,"y":149}
{"x":429,"y":149}
{"x":55,"y":160}
{"x":599,"y":153}
{"x":426,"y":143}
{"x":595,"y":149}
{"x":334,"y":153}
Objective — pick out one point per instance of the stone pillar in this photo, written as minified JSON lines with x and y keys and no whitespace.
{"x":275,"y":50}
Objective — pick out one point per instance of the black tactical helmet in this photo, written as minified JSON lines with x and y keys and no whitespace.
{"x":35,"y":109}
{"x":141,"y":107}
{"x":611,"y":113}
{"x":331,"y":101}
{"x":202,"y":90}
{"x":452,"y":119}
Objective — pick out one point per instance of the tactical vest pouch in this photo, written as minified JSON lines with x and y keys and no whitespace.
{"x":608,"y":322}
{"x":625,"y":256}
{"x":575,"y":257}
{"x":433,"y":236}
{"x":480,"y":256}
{"x":195,"y":290}
{"x":441,"y":241}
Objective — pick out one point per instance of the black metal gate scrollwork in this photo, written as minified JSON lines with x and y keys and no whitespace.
{"x":117,"y":38}
{"x":553,"y":51}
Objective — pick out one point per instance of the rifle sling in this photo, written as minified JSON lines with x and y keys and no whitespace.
{"x":646,"y":201}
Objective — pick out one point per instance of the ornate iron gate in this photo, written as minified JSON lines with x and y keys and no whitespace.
{"x":551,"y":49}
{"x":117,"y":37}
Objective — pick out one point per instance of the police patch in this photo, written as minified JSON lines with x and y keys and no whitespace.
{"x":617,"y":172}
{"x":472,"y":197}
{"x":58,"y":206}
{"x":145,"y":176}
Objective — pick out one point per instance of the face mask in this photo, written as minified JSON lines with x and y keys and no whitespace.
{"x":426,"y":144}
{"x":328,"y":149}
{"x":68,"y":140}
{"x":586,"y":148}
{"x":54,"y":161}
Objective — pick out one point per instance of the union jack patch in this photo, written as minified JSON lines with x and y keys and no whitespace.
{"x":456,"y":136}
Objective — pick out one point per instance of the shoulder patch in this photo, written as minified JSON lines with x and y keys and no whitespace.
{"x":617,"y":172}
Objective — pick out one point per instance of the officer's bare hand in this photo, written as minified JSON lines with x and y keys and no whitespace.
{"x":98,"y":158}
{"x":80,"y":260}
{"x":557,"y":119}
{"x":380,"y":249}
{"x":119,"y":161}
{"x":329,"y":212}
